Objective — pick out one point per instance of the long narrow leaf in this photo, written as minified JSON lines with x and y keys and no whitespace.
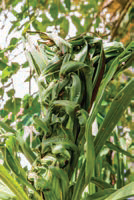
{"x":33,"y":66}
{"x":60,"y":42}
{"x":80,"y":184}
{"x":100,"y":63}
{"x":37,"y":55}
{"x":26,"y":149}
{"x":100,"y":183}
{"x":81,"y":56}
{"x":90,"y":154}
{"x":118,"y":160}
{"x":122,"y":193}
{"x":12,"y":184}
{"x":118,"y":149}
{"x":117,"y":108}
{"x":107,"y":79}
{"x":98,"y":75}
{"x":100,"y":195}
{"x":6,"y":127}
{"x":5,"y":192}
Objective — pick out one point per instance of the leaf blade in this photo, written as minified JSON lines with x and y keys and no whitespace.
{"x":117,"y":108}
{"x":124,"y":192}
{"x":12,"y":184}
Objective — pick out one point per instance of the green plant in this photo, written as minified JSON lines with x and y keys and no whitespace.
{"x":67,"y":160}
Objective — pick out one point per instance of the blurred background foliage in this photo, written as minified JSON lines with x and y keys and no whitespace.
{"x":111,"y":18}
{"x":108,"y":19}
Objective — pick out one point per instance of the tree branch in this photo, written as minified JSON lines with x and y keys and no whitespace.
{"x":113,"y":34}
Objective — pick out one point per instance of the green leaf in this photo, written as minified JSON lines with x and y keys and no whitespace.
{"x":99,"y":73}
{"x":61,"y":43}
{"x":106,"y":80}
{"x":37,"y":56}
{"x":69,"y":106}
{"x":2,"y":65}
{"x":14,"y":3}
{"x":32,"y":64}
{"x":11,"y":47}
{"x":14,"y":67}
{"x":5,"y":192}
{"x":3,"y":113}
{"x":94,"y":4}
{"x":61,"y":8}
{"x":81,"y":55}
{"x":71,"y":66}
{"x":11,"y":93}
{"x":54,"y":11}
{"x":131,"y":133}
{"x":41,"y":26}
{"x":13,"y":41}
{"x":33,"y":3}
{"x":26,"y":26}
{"x":28,"y":78}
{"x":96,"y":25}
{"x":14,"y":164}
{"x":24,"y":65}
{"x":118,"y":149}
{"x":25,"y":146}
{"x":76,"y":22}
{"x":13,"y":105}
{"x":101,"y":63}
{"x":100,"y":183}
{"x":45,"y":20}
{"x":80,"y":183}
{"x":122,"y":193}
{"x":11,"y":144}
{"x":31,"y":105}
{"x":59,"y":20}
{"x":12,"y":184}
{"x":1,"y":92}
{"x":113,"y":47}
{"x":68,"y":4}
{"x":101,"y":195}
{"x":7,"y":127}
{"x":90,"y":154}
{"x":62,"y":175}
{"x":68,"y":144}
{"x":26,"y":120}
{"x":118,"y":106}
{"x":64,"y":27}
{"x":42,"y":124}
{"x":36,"y":24}
{"x":6,"y":73}
{"x":85,"y":8}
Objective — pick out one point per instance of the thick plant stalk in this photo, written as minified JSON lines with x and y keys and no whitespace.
{"x":74,"y":82}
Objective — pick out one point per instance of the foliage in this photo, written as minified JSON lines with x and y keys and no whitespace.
{"x":62,"y":17}
{"x":65,"y":158}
